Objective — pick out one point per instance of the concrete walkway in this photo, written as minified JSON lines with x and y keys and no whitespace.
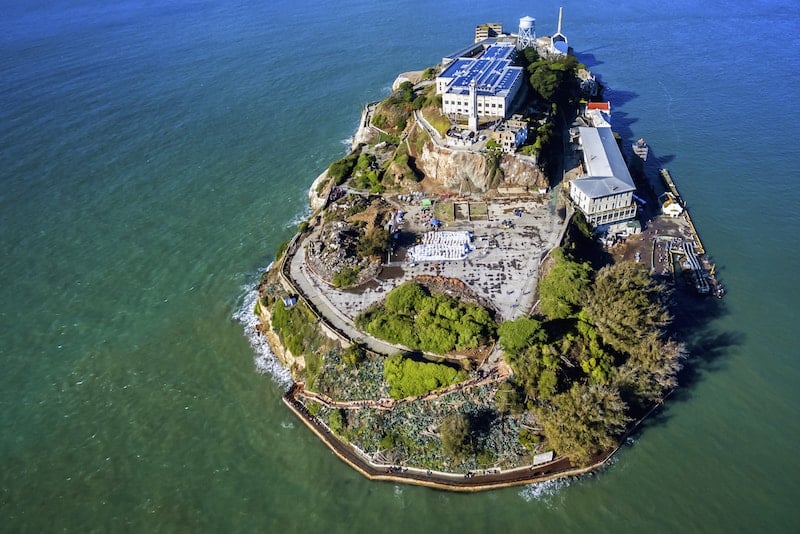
{"x":309,"y":287}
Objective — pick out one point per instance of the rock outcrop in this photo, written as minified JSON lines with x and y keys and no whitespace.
{"x":452,"y":167}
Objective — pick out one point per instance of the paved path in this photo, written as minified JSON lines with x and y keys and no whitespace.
{"x":310,"y":288}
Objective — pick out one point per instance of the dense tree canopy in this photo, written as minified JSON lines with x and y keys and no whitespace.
{"x":563,"y":291}
{"x":516,"y":335}
{"x":602,"y":351}
{"x":583,"y":421}
{"x":434,"y":323}
{"x":625,"y":304}
{"x":553,"y":79}
{"x":410,"y":378}
{"x":455,"y":433}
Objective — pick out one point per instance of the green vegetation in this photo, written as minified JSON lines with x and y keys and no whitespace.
{"x":563,"y":290}
{"x":601,"y":357}
{"x":354,"y":355}
{"x":410,"y":378}
{"x":346,"y":277}
{"x":626,"y":303}
{"x":374,"y":242}
{"x":455,"y":432}
{"x":402,"y":164}
{"x":583,"y":421}
{"x":296,"y":328}
{"x":337,"y":420}
{"x":429,"y":73}
{"x":553,"y":78}
{"x":435,"y":118}
{"x":367,"y":175}
{"x":392,"y":114}
{"x":341,"y":169}
{"x":433,"y":323}
{"x":515,"y":336}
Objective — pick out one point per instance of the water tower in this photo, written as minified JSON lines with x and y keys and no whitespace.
{"x":527,"y":33}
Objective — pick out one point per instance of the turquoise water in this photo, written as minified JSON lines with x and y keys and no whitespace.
{"x":154,"y":155}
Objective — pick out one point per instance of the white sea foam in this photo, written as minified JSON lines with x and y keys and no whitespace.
{"x":544,"y":491}
{"x":298,"y":218}
{"x":264,"y":359}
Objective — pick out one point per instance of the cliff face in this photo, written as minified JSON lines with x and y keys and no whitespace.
{"x":451,"y":168}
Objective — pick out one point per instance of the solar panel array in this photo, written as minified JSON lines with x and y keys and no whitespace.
{"x":492,"y":71}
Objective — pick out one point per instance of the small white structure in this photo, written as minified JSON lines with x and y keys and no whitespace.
{"x":669,"y":205}
{"x":598,"y":114}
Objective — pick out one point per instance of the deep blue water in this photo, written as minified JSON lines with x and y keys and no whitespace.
{"x":154,"y":154}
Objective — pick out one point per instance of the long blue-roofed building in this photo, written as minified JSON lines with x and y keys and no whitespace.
{"x":496,"y":82}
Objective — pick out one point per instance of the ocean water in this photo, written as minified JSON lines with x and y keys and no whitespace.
{"x":153,"y":155}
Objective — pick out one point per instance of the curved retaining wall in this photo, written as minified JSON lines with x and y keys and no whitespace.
{"x":459,"y":482}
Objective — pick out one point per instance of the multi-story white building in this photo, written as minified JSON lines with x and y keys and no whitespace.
{"x":496,"y":83}
{"x":605,"y":193}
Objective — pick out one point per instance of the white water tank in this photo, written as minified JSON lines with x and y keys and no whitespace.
{"x":526,"y":36}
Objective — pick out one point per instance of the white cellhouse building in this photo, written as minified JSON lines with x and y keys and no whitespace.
{"x":495,"y":80}
{"x":605,"y":193}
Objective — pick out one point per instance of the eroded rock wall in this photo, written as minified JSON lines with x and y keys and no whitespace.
{"x":450,"y":168}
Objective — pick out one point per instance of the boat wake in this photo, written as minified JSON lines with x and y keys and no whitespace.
{"x":264,"y":360}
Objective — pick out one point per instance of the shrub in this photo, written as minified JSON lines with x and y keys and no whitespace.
{"x":410,"y":378}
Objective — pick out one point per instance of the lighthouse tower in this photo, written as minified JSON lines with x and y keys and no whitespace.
{"x":559,"y":40}
{"x":473,"y":106}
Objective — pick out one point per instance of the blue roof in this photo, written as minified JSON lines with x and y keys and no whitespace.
{"x":498,"y":51}
{"x":455,"y":66}
{"x":492,"y":71}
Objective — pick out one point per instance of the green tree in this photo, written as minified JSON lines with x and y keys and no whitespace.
{"x":508,"y":399}
{"x":373,"y":243}
{"x":433,"y":323}
{"x":336,"y":421}
{"x":341,"y":169}
{"x":353,"y":355}
{"x":346,"y":277}
{"x":563,"y":290}
{"x":652,"y":368}
{"x":546,"y":81}
{"x":455,"y":433}
{"x":626,"y":305}
{"x":516,"y":335}
{"x":583,"y":421}
{"x":403,"y":299}
{"x":409,"y":378}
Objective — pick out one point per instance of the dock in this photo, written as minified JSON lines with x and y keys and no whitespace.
{"x":703,"y":271}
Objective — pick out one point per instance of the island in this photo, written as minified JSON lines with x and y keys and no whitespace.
{"x":483,"y":294}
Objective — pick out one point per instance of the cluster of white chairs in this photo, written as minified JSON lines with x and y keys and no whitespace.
{"x":441,"y":246}
{"x":447,"y":238}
